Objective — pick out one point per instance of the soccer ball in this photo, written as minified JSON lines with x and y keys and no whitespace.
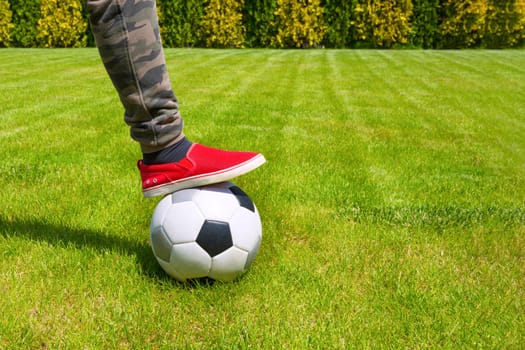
{"x":212,"y":231}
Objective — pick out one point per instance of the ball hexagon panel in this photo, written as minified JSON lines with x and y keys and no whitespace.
{"x":170,"y":269}
{"x":216,"y":203}
{"x":185,"y":195}
{"x":160,"y":244}
{"x":189,"y":260}
{"x":160,"y":212}
{"x":215,"y":237}
{"x":252,"y":254}
{"x":182,"y":222}
{"x":246,"y":229}
{"x":228,"y":265}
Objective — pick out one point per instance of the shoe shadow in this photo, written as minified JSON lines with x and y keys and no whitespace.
{"x":80,"y":238}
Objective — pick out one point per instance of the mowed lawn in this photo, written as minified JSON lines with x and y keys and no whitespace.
{"x":392,"y":202}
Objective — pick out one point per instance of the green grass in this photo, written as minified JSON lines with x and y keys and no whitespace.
{"x":393,"y":202}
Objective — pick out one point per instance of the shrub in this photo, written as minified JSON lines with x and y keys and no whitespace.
{"x":424,"y":23}
{"x":5,"y":23}
{"x":90,"y":40}
{"x":259,"y":16}
{"x":25,"y":19}
{"x":338,"y":17}
{"x":504,"y":23}
{"x":62,"y":24}
{"x":462,"y":23}
{"x":300,"y":23}
{"x":180,"y":22}
{"x":520,"y":8}
{"x":222,"y":25}
{"x":383,"y":24}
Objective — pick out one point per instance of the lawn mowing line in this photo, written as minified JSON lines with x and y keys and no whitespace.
{"x":407,"y":72}
{"x":350,"y":123}
{"x":247,"y":77}
{"x":244,"y":83}
{"x":184,"y":64}
{"x":472,"y":72}
{"x":428,"y":105}
{"x":337,"y":84}
{"x":418,"y":104}
{"x":397,"y":91}
{"x":481,"y":111}
{"x":219,"y":82}
{"x":11,"y":57}
{"x":438,"y":217}
{"x":237,"y":83}
{"x":181,"y":62}
{"x":287,"y":80}
{"x":420,"y":64}
{"x":496,"y":57}
{"x":459,"y":61}
{"x":44,"y":61}
{"x":385,"y":175}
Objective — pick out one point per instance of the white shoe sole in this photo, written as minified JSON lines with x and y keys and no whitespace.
{"x":206,"y":179}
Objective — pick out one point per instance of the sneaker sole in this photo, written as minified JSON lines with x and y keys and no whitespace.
{"x":205,"y":179}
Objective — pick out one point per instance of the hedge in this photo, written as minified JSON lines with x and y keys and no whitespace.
{"x":424,"y":23}
{"x":25,"y":19}
{"x":504,"y":24}
{"x":62,"y":24}
{"x":259,"y":20}
{"x":300,"y":23}
{"x":6,"y":23}
{"x":481,"y":23}
{"x":382,"y":23}
{"x":180,"y":22}
{"x":222,"y":24}
{"x":338,"y":19}
{"x":427,"y":24}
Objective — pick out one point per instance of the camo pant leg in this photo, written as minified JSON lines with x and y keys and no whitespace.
{"x":128,"y":40}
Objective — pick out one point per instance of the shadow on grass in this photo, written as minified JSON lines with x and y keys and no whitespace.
{"x":62,"y":235}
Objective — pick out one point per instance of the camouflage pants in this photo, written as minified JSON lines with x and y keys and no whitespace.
{"x":128,"y":40}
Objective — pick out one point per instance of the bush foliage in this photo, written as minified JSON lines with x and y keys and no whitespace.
{"x":62,"y":24}
{"x":383,"y":23}
{"x":180,"y":22}
{"x":222,"y":25}
{"x":424,"y":23}
{"x":504,"y":24}
{"x":463,"y":23}
{"x":300,"y":23}
{"x":25,"y":19}
{"x":5,"y":23}
{"x":259,"y":19}
{"x":338,"y":22}
{"x":427,"y":24}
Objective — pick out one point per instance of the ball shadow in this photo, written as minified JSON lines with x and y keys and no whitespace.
{"x":62,"y":235}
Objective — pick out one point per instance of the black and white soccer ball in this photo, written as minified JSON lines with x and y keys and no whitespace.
{"x":212,"y":231}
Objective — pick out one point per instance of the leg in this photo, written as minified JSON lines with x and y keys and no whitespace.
{"x":128,"y":38}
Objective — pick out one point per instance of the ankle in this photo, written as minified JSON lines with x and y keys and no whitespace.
{"x":170,"y":154}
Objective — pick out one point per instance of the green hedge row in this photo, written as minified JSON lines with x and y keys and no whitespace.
{"x":437,"y":24}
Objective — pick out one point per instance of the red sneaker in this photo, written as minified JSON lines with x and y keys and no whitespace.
{"x":201,"y":166}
